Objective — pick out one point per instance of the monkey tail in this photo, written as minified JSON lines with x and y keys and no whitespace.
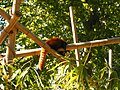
{"x":42,"y":59}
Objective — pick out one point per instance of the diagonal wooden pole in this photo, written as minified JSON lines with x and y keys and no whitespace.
{"x":14,"y":19}
{"x":9,"y":27}
{"x":33,"y":37}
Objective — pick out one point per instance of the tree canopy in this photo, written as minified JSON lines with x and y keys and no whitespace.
{"x":94,"y":20}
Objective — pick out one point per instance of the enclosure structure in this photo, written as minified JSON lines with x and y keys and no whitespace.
{"x":11,"y":29}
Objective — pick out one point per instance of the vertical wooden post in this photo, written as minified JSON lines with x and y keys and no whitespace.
{"x":75,"y":37}
{"x":110,"y":63}
{"x":16,"y":6}
{"x":10,"y":52}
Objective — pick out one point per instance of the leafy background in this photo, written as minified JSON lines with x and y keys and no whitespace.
{"x":95,"y":19}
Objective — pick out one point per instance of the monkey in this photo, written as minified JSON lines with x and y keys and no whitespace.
{"x":54,"y":43}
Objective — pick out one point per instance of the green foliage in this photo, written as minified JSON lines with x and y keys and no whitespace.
{"x":95,"y":19}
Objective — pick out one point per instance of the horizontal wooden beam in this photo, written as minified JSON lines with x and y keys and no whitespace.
{"x":88,"y":44}
{"x":94,"y":43}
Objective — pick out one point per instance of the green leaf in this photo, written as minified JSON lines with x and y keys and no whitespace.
{"x":15,"y":74}
{"x":24,"y":72}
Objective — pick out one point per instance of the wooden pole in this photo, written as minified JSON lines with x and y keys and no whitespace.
{"x":10,"y":52}
{"x":16,"y":15}
{"x":94,"y":43}
{"x":110,"y":63}
{"x":16,"y":6}
{"x":87,"y":44}
{"x":8,"y":28}
{"x":69,"y":46}
{"x":35,"y":38}
{"x":75,"y":37}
